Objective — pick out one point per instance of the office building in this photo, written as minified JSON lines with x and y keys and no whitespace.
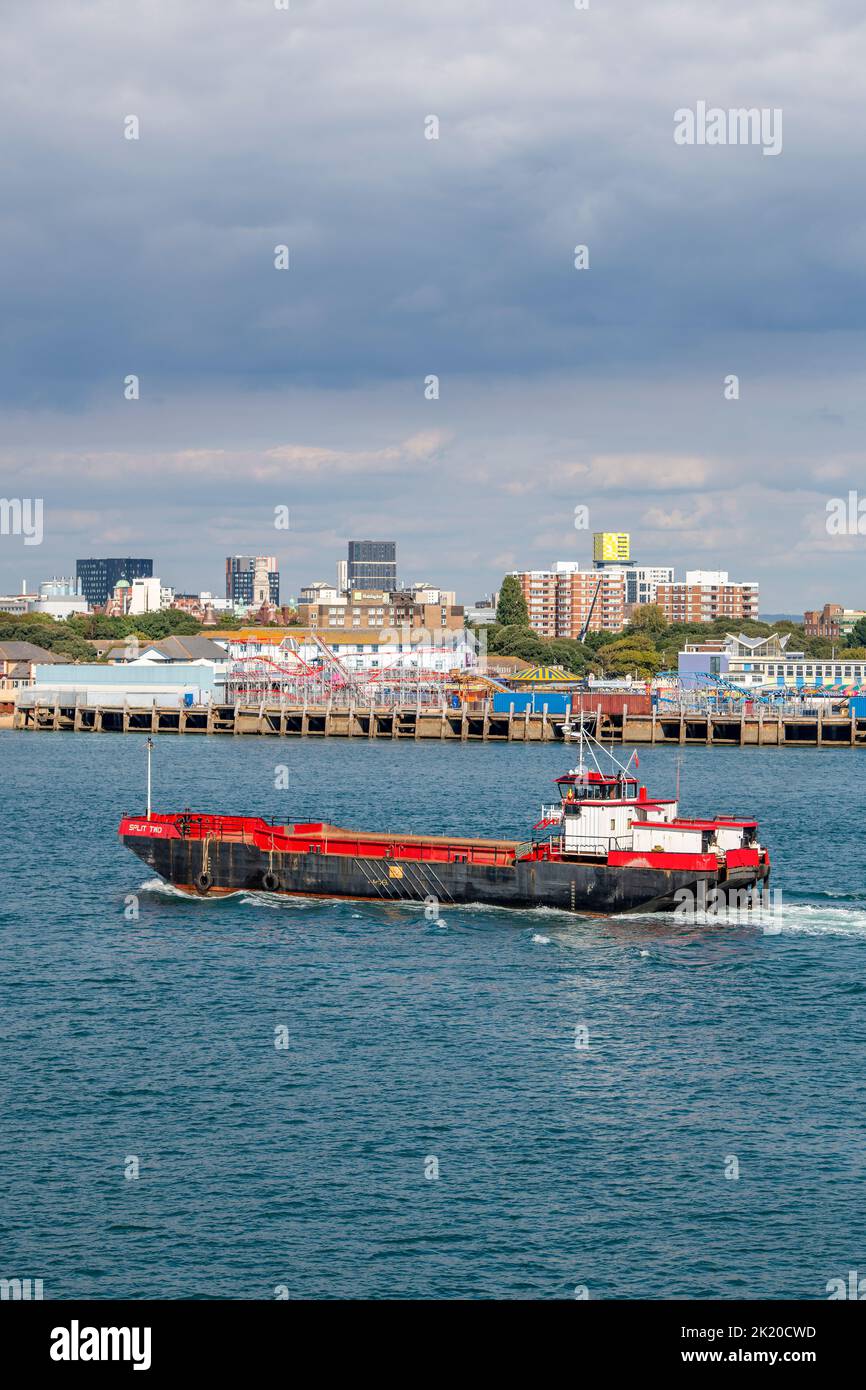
{"x":97,"y":579}
{"x":611,"y":548}
{"x":252,"y":580}
{"x":372,"y":565}
{"x":422,"y":606}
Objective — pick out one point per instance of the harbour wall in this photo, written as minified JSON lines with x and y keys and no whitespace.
{"x":466,"y":724}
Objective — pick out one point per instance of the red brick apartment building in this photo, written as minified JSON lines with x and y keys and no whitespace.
{"x":706,"y":595}
{"x":561,"y":599}
{"x":831,"y":621}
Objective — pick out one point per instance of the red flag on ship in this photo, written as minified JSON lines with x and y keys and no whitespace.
{"x":636,"y":760}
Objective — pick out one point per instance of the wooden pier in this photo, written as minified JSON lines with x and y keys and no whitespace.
{"x":467,"y":724}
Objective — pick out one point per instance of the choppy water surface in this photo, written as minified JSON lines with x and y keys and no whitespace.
{"x":153,"y":1037}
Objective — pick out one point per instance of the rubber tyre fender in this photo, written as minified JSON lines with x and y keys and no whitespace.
{"x":270,"y":882}
{"x":204,"y":882}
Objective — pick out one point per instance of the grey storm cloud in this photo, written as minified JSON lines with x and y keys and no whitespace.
{"x":261,"y":127}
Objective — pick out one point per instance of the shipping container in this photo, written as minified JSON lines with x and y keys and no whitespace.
{"x":557,"y":702}
{"x":612,"y":702}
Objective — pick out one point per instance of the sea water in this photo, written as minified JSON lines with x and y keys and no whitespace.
{"x":262,"y":1098}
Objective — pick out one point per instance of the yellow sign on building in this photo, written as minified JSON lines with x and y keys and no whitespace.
{"x":610,"y":547}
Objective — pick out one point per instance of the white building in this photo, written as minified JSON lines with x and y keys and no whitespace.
{"x":209,"y":600}
{"x":59,"y":597}
{"x":381,"y":649}
{"x":765,"y":663}
{"x":149,"y":596}
{"x":321,"y":592}
{"x":640,"y":581}
{"x":365,"y":650}
{"x":17,"y":603}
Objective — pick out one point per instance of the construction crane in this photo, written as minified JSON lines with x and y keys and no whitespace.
{"x":585,"y":629}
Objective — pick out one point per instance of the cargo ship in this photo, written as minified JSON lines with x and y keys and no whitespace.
{"x":604,"y":847}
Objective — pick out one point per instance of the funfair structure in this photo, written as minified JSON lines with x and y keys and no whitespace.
{"x":327,"y":680}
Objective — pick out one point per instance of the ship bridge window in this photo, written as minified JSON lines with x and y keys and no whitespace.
{"x":622,"y":789}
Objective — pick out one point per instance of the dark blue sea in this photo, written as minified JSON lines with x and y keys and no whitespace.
{"x":147,"y":1043}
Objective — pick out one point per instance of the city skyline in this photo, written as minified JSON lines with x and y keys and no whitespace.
{"x":587,"y":564}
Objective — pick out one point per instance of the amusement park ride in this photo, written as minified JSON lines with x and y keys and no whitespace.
{"x":328,"y":680}
{"x":714,"y":690}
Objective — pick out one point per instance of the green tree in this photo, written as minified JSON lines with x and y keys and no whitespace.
{"x":857,"y":635}
{"x":501,"y":638}
{"x":97,"y":625}
{"x":44,"y":631}
{"x":168,"y":622}
{"x":647,"y":617}
{"x":511,"y":609}
{"x":594,"y":640}
{"x":630,"y":656}
{"x":563,"y":651}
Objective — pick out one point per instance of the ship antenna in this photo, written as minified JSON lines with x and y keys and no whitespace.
{"x":679,"y":769}
{"x":149,"y":746}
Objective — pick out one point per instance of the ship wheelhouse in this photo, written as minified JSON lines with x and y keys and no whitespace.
{"x":595,"y":786}
{"x":598,"y":811}
{"x":600,"y":814}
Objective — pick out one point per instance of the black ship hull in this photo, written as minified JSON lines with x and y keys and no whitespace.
{"x":571,"y":885}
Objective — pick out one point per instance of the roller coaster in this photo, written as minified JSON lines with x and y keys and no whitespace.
{"x":327,"y":680}
{"x":707,"y":691}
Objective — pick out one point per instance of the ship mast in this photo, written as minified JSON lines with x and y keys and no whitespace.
{"x":589,"y":743}
{"x":149,"y":746}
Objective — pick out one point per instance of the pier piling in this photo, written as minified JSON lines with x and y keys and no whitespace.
{"x":468,"y":724}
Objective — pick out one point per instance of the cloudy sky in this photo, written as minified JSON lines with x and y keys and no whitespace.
{"x":411,"y":257}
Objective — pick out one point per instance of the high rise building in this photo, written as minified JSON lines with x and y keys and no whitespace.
{"x":611,"y":547}
{"x":565,"y":599}
{"x":97,"y":579}
{"x":706,"y":595}
{"x":641,"y":581}
{"x":612,"y":550}
{"x":252,"y":580}
{"x":372,"y":565}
